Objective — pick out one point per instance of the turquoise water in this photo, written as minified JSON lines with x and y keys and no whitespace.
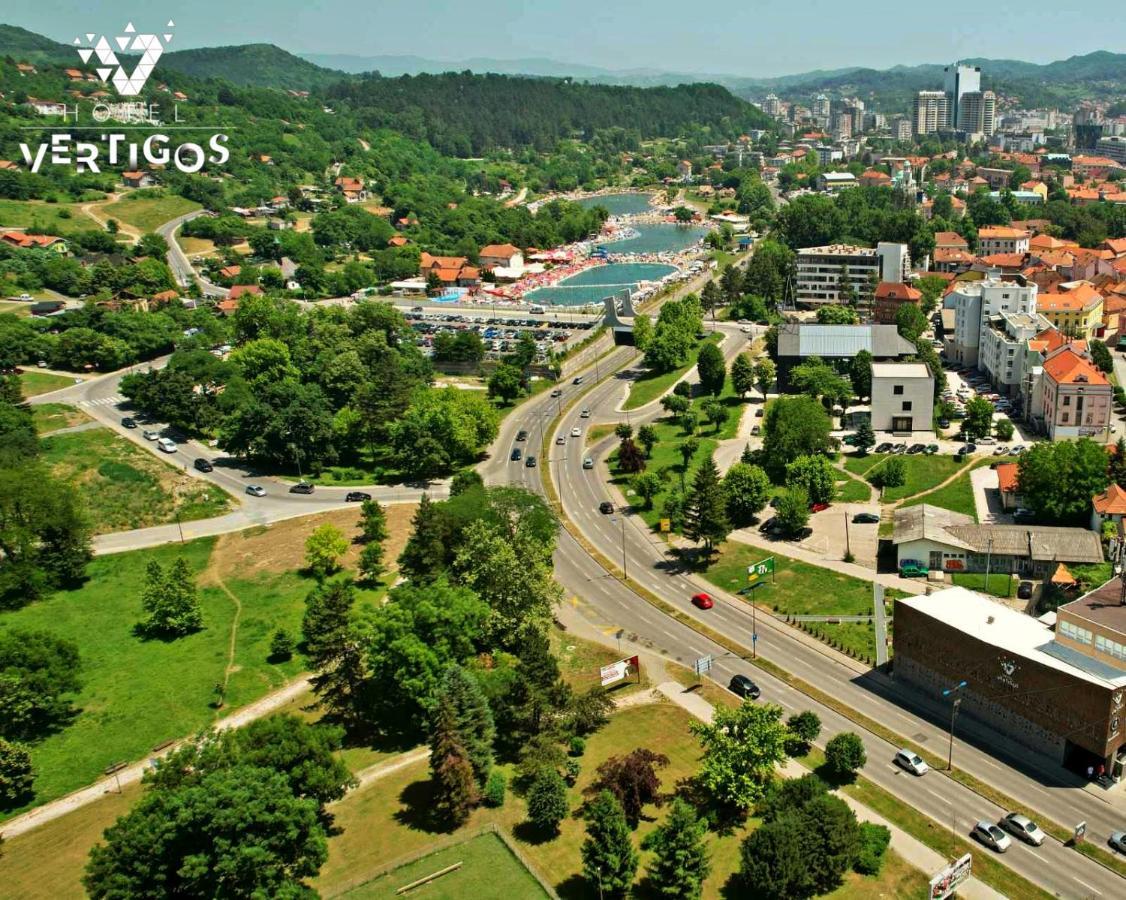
{"x":660,"y":238}
{"x":619,"y":204}
{"x":591,"y":285}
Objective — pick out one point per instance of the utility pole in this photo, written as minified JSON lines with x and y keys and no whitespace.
{"x":953,"y":716}
{"x":848,"y":545}
{"x":622,"y":513}
{"x":988,"y":560}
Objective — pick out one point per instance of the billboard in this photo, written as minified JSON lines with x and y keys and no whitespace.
{"x":760,"y":570}
{"x":946,"y":882}
{"x":619,"y":671}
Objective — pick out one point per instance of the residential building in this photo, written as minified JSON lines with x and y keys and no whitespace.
{"x":974,"y":302}
{"x":931,"y":113}
{"x":889,"y":296}
{"x":1109,"y":506}
{"x":34,"y":241}
{"x":351,"y":188}
{"x":960,"y":80}
{"x":821,"y":271}
{"x":821,"y":107}
{"x":1008,"y":485}
{"x":951,"y":240}
{"x":1076,"y":310}
{"x":1002,"y":239}
{"x":450,"y":270}
{"x":901,"y":128}
{"x":1078,"y":399}
{"x":875,"y":178}
{"x":1055,"y":695}
{"x":902,"y":397}
{"x":836,"y":344}
{"x":977,"y":113}
{"x":832,"y":182}
{"x":1112,"y":147}
{"x":994,"y":178}
{"x":772,"y":106}
{"x":504,"y":255}
{"x":1002,"y":349}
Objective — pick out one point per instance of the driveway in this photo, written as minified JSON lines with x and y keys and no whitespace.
{"x":987,"y":497}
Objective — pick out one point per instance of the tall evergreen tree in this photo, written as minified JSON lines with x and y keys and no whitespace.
{"x":706,"y":519}
{"x":424,"y":557}
{"x":609,"y":857}
{"x":455,"y":786}
{"x":373,"y":522}
{"x":680,"y":861}
{"x":472,"y":717}
{"x":328,"y":618}
{"x":547,"y":800}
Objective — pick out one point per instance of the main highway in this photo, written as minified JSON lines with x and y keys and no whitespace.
{"x":604,"y":598}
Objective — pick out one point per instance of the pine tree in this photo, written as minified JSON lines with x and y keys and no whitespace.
{"x":371,"y":562}
{"x":169,"y":601}
{"x":473,"y":719}
{"x":706,"y":519}
{"x":373,"y":522}
{"x":281,"y":645}
{"x":327,"y":621}
{"x":609,"y":857}
{"x":424,"y":557}
{"x":865,"y":436}
{"x":680,"y":861}
{"x":455,"y":787}
{"x":547,"y":801}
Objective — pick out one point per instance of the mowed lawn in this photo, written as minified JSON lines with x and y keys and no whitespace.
{"x":53,"y":416}
{"x":35,"y":383}
{"x":851,"y":490}
{"x":146,"y":213}
{"x":123,"y":486}
{"x":957,"y":496}
{"x":653,"y":385}
{"x":922,"y":472}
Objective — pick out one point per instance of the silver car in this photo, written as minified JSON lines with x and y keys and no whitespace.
{"x":992,"y":836}
{"x":256,"y":490}
{"x":912,"y":762}
{"x":1024,"y":828}
{"x":1118,"y":841}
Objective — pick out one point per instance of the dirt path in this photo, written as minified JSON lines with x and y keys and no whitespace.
{"x":102,"y":206}
{"x":958,"y":474}
{"x":230,"y":668}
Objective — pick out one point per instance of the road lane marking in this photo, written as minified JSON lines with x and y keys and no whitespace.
{"x":1088,"y":887}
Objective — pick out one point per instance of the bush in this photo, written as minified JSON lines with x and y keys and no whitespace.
{"x":281,"y":646}
{"x":845,"y":755}
{"x":493,"y":795}
{"x":578,"y":746}
{"x":571,"y":769}
{"x":874,"y":840}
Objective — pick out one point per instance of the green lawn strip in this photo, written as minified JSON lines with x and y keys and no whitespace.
{"x":651,"y":386}
{"x":53,"y":416}
{"x":147,"y":213}
{"x":139,"y":693}
{"x":958,"y":496}
{"x":35,"y":383}
{"x":922,"y":472}
{"x":999,"y":584}
{"x":857,"y":639}
{"x":17,"y":308}
{"x":851,"y":490}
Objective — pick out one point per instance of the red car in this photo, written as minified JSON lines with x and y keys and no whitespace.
{"x":703,"y":601}
{"x":818,"y":507}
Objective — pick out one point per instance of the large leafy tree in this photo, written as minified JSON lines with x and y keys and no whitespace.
{"x":633,"y":781}
{"x":742,"y":747}
{"x":1058,"y":480}
{"x":793,"y":426}
{"x":979,"y":418}
{"x":860,"y":373}
{"x":818,"y":379}
{"x":680,"y":862}
{"x":609,"y":858}
{"x":169,"y":600}
{"x":743,"y":374}
{"x":712,"y":369}
{"x":459,"y":424}
{"x":813,"y":474}
{"x":747,"y":489}
{"x":844,"y":754}
{"x":38,"y":672}
{"x":765,"y":373}
{"x":16,"y":774}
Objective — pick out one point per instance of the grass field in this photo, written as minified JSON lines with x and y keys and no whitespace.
{"x":957,"y":496}
{"x":922,"y":472}
{"x":487,"y":869}
{"x":47,"y":218}
{"x":1000,"y":584}
{"x":651,"y":386}
{"x":36,"y":383}
{"x":17,"y":308}
{"x":53,"y":416}
{"x":146,"y":213}
{"x":123,"y":486}
{"x":851,"y":490}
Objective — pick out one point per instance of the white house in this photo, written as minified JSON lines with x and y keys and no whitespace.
{"x":902,"y":397}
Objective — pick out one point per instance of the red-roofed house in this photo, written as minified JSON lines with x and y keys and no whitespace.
{"x":1109,"y":506}
{"x":135,"y":179}
{"x":504,"y":255}
{"x":889,"y":296}
{"x":1008,"y":263}
{"x":230,"y":271}
{"x":1007,"y":485}
{"x":1002,"y":239}
{"x":397,"y":241}
{"x":874,"y":178}
{"x":953,"y":259}
{"x":950,"y":239}
{"x":1117,"y":246}
{"x":351,"y":188}
{"x":1077,"y":398}
{"x":241,"y":290}
{"x":34,"y":241}
{"x":451,"y":270}
{"x":1077,"y":312}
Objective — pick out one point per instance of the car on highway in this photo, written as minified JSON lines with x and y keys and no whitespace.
{"x":150,"y":435}
{"x":128,"y":422}
{"x":744,"y":687}
{"x":576,"y":431}
{"x":866,"y":519}
{"x":578,"y":379}
{"x":302,"y":487}
{"x":256,"y":490}
{"x":1118,"y":841}
{"x":558,"y":392}
{"x":606,"y":507}
{"x":562,"y":439}
{"x":585,"y":414}
{"x":702,"y":601}
{"x":991,"y":836}
{"x":356,"y":497}
{"x":1024,"y":590}
{"x":529,"y":462}
{"x":1024,"y":828}
{"x":516,"y":454}
{"x":203,"y":465}
{"x":521,"y":435}
{"x":166,"y":445}
{"x":912,"y":568}
{"x":588,"y":463}
{"x":911,"y":761}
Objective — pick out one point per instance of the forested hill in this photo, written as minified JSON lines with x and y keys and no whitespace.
{"x":465,"y":115}
{"x":255,"y":65}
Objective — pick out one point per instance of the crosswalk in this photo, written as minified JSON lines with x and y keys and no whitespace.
{"x":113,"y":400}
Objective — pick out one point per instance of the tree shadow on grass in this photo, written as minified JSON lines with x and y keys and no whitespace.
{"x":576,"y":887}
{"x":418,"y":811}
{"x":529,"y":833}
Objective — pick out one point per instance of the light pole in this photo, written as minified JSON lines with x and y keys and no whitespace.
{"x":953,"y":716}
{"x":622,"y":514}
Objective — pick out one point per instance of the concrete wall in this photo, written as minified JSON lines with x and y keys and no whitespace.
{"x":888,"y":405}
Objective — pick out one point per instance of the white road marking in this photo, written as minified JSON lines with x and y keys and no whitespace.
{"x":1088,"y":887}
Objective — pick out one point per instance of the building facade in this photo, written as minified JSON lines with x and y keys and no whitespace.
{"x":977,"y":113}
{"x":931,"y":113}
{"x":975,"y":302}
{"x":902,"y":397}
{"x":960,"y":80}
{"x":821,"y":271}
{"x":1077,"y":398}
{"x":1002,"y":351}
{"x":1002,"y":239}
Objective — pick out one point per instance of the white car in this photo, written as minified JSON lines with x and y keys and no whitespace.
{"x":912,"y":762}
{"x":256,"y":490}
{"x":151,"y":435}
{"x":167,"y":445}
{"x":576,"y":431}
{"x":992,"y":836}
{"x":585,"y":414}
{"x":1024,"y":828}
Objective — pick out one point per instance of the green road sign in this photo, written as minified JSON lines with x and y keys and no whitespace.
{"x":760,"y":570}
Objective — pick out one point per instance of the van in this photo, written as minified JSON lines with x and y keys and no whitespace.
{"x":537,"y":310}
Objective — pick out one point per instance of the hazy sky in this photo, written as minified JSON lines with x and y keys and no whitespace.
{"x":742,"y":37}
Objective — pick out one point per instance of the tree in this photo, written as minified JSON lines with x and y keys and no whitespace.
{"x":327,"y":622}
{"x":630,"y":457}
{"x":774,"y":861}
{"x":833,"y":840}
{"x":793,"y":426}
{"x":837,"y":315}
{"x":506,"y":383}
{"x":817,"y":379}
{"x":743,"y":375}
{"x":674,"y":403}
{"x":642,"y":331}
{"x":742,"y":747}
{"x":765,"y":374}
{"x":647,"y":436}
{"x":814,"y":474}
{"x":169,"y":601}
{"x":844,"y":755}
{"x":712,"y":369}
{"x":633,"y":781}
{"x":323,"y":549}
{"x":746,"y":488}
{"x":1101,"y":355}
{"x":931,"y":287}
{"x":804,"y":728}
{"x":860,"y":373}
{"x":1003,"y":428}
{"x":473,"y":720}
{"x":706,"y":515}
{"x":680,"y":863}
{"x":623,"y":431}
{"x":891,"y":473}
{"x":235,"y":832}
{"x":16,"y":774}
{"x":1055,"y":497}
{"x":647,"y":485}
{"x":464,"y":481}
{"x":865,"y":437}
{"x":370,"y":562}
{"x":373,"y":522}
{"x":547,"y":801}
{"x":979,"y":418}
{"x":424,"y":557}
{"x":281,"y":646}
{"x":609,"y":858}
{"x":37,"y":671}
{"x":910,"y":321}
{"x":715,"y":410}
{"x":792,"y":510}
{"x":455,"y":788}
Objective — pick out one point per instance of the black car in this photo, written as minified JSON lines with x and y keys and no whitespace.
{"x":521,"y":435}
{"x":943,"y":423}
{"x":605,"y":507}
{"x":578,"y":379}
{"x":558,"y":392}
{"x":1024,"y":517}
{"x":356,"y":497}
{"x":302,"y":487}
{"x":1024,"y":590}
{"x":203,"y":465}
{"x":128,"y":422}
{"x":769,"y":525}
{"x":530,"y":462}
{"x":516,"y":453}
{"x":866,"y":519}
{"x":916,"y":448}
{"x":883,"y":448}
{"x":967,"y":450}
{"x":744,"y":687}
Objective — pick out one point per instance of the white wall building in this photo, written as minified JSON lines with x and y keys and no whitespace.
{"x":931,"y":112}
{"x":902,"y":397}
{"x":1002,"y":351}
{"x":1002,"y":239}
{"x":819,"y":270}
{"x":974,"y":302}
{"x":960,"y":80}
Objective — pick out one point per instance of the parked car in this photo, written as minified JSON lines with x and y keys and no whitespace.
{"x":818,"y":507}
{"x":302,"y":487}
{"x":758,"y":413}
{"x":203,"y":465}
{"x":883,"y":448}
{"x":167,"y":445}
{"x":769,"y":525}
{"x":911,"y":761}
{"x":516,"y":454}
{"x":899,"y":448}
{"x":256,"y":490}
{"x":987,"y":440}
{"x":1024,"y":828}
{"x":1017,"y":450}
{"x":916,"y":448}
{"x":866,"y":519}
{"x":932,"y":449}
{"x":992,"y":836}
{"x":356,"y":497}
{"x":606,"y":507}
{"x":128,"y":422}
{"x":1024,"y":590}
{"x":943,"y":423}
{"x":912,"y":568}
{"x":967,"y":449}
{"x":1001,"y":451}
{"x":585,"y":414}
{"x":1022,"y":516}
{"x":588,"y":463}
{"x":151,"y":435}
{"x":529,"y":462}
{"x":521,"y":435}
{"x":702,"y":601}
{"x":744,"y":687}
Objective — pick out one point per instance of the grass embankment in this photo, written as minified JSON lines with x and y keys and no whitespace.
{"x":922,"y":472}
{"x":122,"y":486}
{"x":50,"y":417}
{"x":147,"y":212}
{"x":958,"y":496}
{"x":36,"y":383}
{"x":1000,"y":584}
{"x":36,"y":216}
{"x":850,"y":490}
{"x":652,"y":385}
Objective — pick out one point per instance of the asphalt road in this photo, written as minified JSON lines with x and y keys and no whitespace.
{"x":178,"y":261}
{"x":611,"y":605}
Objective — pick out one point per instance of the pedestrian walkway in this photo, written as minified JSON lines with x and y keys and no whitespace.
{"x":112,"y":400}
{"x":72,"y":429}
{"x":880,"y":610}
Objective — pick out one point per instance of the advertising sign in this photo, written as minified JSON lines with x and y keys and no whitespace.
{"x":703,"y":665}
{"x":946,"y":882}
{"x":666,"y":526}
{"x":619,"y":670}
{"x":760,"y":570}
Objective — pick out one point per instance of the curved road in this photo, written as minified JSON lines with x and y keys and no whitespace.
{"x":178,"y":260}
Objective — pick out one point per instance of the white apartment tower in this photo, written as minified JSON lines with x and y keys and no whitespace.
{"x":960,"y":80}
{"x":977,"y":113}
{"x":772,"y":106}
{"x":931,"y":112}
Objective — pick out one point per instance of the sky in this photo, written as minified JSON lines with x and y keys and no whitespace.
{"x":737,"y":37}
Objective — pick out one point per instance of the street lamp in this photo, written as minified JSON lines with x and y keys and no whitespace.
{"x":953,"y":716}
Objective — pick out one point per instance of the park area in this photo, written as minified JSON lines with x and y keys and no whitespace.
{"x":35,"y":383}
{"x":146,"y":210}
{"x":652,"y":385}
{"x":50,"y":417}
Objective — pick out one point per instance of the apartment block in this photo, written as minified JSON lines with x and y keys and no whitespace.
{"x":821,"y":270}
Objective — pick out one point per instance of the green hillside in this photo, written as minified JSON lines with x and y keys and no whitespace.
{"x":258,"y":65}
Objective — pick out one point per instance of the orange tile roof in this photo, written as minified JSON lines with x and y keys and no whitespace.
{"x":1007,"y":477}
{"x":1117,"y":246}
{"x":1054,"y":259}
{"x":1082,"y":296}
{"x":895,"y":290}
{"x":1068,"y":367}
{"x":499,"y":250}
{"x":1004,"y":260}
{"x":1111,"y":502}
{"x":1047,"y":242}
{"x":949,"y":239}
{"x":1000,"y":232}
{"x":953,"y":255}
{"x":240,"y":289}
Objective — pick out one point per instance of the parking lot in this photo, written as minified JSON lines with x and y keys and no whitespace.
{"x":500,"y":334}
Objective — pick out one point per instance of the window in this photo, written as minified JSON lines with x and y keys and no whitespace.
{"x":907,"y":406}
{"x":1073,"y":631}
{"x":1063,"y":419}
{"x":1112,"y":648}
{"x":1067,"y":401}
{"x":897,"y":390}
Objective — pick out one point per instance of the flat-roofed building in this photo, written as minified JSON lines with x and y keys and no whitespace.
{"x":823,"y":271}
{"x":902,"y":397}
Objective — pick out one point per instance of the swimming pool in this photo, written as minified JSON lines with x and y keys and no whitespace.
{"x":657,"y":238}
{"x":628,"y":204}
{"x":591,"y":285}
